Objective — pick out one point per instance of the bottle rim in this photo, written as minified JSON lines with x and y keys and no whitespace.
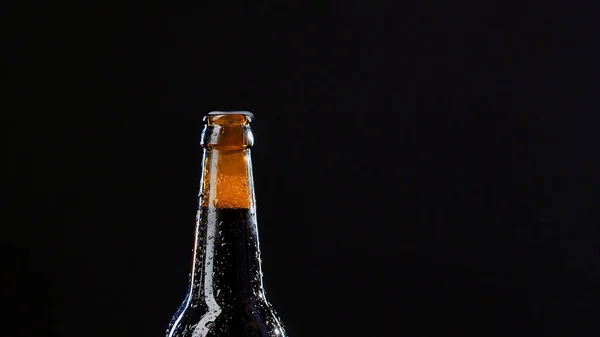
{"x":244,"y":113}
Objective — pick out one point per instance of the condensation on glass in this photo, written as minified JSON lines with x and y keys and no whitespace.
{"x":226,"y":297}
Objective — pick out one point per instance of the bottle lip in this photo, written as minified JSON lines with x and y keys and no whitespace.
{"x":244,"y":113}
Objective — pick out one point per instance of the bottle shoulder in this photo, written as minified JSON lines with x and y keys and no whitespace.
{"x":255,"y":318}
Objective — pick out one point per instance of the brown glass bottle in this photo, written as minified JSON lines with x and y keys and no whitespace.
{"x":225,"y":296}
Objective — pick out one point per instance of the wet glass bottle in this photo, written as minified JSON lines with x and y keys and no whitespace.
{"x":226,"y":296}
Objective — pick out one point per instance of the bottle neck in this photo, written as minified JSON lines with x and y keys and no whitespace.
{"x":227,"y":268}
{"x":227,"y":180}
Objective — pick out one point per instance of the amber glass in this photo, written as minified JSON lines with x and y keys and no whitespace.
{"x":225,"y":296}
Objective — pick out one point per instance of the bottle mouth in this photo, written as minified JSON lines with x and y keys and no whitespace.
{"x":228,"y":129}
{"x":243,"y":113}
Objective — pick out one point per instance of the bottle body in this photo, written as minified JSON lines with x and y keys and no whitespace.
{"x":226,"y":297}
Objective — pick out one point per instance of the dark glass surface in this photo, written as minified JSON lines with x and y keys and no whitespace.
{"x":226,"y":297}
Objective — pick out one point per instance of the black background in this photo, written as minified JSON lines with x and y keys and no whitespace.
{"x":421,"y":169}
